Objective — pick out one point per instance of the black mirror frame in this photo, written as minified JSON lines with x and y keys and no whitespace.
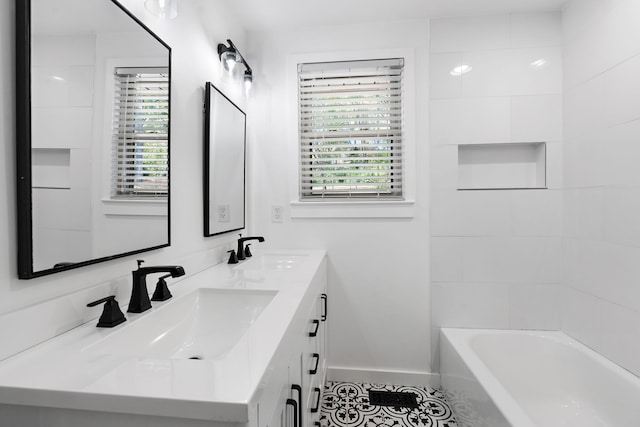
{"x":23,"y":149}
{"x":207,"y":165}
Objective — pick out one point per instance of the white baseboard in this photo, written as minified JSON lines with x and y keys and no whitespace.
{"x":368,"y":376}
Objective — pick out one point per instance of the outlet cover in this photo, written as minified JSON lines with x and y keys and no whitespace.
{"x":277,"y":212}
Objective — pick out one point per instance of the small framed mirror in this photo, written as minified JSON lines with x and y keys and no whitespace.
{"x":224,"y":163}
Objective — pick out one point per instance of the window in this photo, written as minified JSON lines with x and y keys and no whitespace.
{"x":140,"y":133}
{"x":350,"y":129}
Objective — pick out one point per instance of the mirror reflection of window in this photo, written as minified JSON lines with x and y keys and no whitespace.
{"x":140,"y":133}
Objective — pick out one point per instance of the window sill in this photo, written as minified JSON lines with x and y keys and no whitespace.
{"x":353,"y":209}
{"x":135,"y":207}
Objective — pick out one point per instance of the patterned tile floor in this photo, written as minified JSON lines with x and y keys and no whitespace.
{"x":347,"y":405}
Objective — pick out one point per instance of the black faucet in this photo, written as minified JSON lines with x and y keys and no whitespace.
{"x":139,"y":295}
{"x":241,"y":240}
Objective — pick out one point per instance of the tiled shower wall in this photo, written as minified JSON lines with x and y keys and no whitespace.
{"x":602,"y":177}
{"x":496,"y":254}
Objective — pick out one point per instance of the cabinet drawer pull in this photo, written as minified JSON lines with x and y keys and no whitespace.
{"x":316,"y":323}
{"x":298,"y":412}
{"x":324,"y":307}
{"x":317,"y":407}
{"x":315,"y":368}
{"x":292,"y":402}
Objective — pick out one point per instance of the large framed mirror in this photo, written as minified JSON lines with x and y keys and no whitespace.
{"x":93,"y":131}
{"x":224,"y":163}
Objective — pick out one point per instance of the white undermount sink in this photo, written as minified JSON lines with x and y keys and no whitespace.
{"x":204,"y":324}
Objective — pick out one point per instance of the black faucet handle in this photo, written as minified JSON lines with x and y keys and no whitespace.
{"x":247,"y":251}
{"x":111,"y":313}
{"x":162,"y":290}
{"x":233,"y":258}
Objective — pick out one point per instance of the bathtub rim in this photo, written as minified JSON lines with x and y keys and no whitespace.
{"x":459,"y":339}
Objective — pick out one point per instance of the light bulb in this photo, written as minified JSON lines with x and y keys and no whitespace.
{"x":248,"y":80}
{"x":229,"y":60}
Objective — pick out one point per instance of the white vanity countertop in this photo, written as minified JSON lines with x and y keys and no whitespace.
{"x":65,"y":372}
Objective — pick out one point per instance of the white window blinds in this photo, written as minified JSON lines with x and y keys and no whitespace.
{"x":350,"y":124}
{"x":141,"y":133}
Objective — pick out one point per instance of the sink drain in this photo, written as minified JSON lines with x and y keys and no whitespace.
{"x":195,"y":358}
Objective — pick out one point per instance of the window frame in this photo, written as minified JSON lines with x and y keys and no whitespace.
{"x":353,"y":208}
{"x":116,"y":193}
{"x":373,"y":90}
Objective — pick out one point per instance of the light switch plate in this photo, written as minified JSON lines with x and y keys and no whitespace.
{"x":223,"y":213}
{"x":276,"y":213}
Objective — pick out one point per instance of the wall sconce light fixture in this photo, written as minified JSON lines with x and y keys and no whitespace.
{"x":162,"y":8}
{"x":230,"y":56}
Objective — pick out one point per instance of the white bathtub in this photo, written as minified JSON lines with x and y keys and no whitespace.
{"x":499,"y":378}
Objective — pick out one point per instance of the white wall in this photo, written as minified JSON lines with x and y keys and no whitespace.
{"x":194,"y":62}
{"x":378,"y":267}
{"x":496,"y":254}
{"x":602,"y":177}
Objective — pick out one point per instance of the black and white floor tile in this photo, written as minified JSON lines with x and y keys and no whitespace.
{"x":347,"y":405}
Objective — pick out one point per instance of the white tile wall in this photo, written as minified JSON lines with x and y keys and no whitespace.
{"x":582,"y":217}
{"x":446,"y":259}
{"x":63,"y":50}
{"x":621,"y":93}
{"x":62,"y":127}
{"x":621,"y":155}
{"x":620,"y":30}
{"x":62,"y":209}
{"x":601,"y":205}
{"x":536,"y":29}
{"x":63,"y":77}
{"x":471,"y":120}
{"x":537,"y":213}
{"x":530,"y":307}
{"x":81,"y":168}
{"x":470,"y":213}
{"x":496,"y":255}
{"x":444,"y":174}
{"x":621,"y":211}
{"x":511,"y":260}
{"x":479,"y":305}
{"x":555,"y":165}
{"x":584,"y":108}
{"x":66,"y":86}
{"x":55,"y":245}
{"x":536,"y":118}
{"x":620,"y":340}
{"x":582,"y":317}
{"x":491,"y":74}
{"x":529,"y":79}
{"x":442,"y":83}
{"x":470,"y":33}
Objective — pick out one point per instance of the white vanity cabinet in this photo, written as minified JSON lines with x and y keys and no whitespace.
{"x":264,"y":367}
{"x":301,"y":378}
{"x":314,"y":360}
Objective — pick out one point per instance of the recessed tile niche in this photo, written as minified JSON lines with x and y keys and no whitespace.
{"x":51,"y":168}
{"x":502,"y":166}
